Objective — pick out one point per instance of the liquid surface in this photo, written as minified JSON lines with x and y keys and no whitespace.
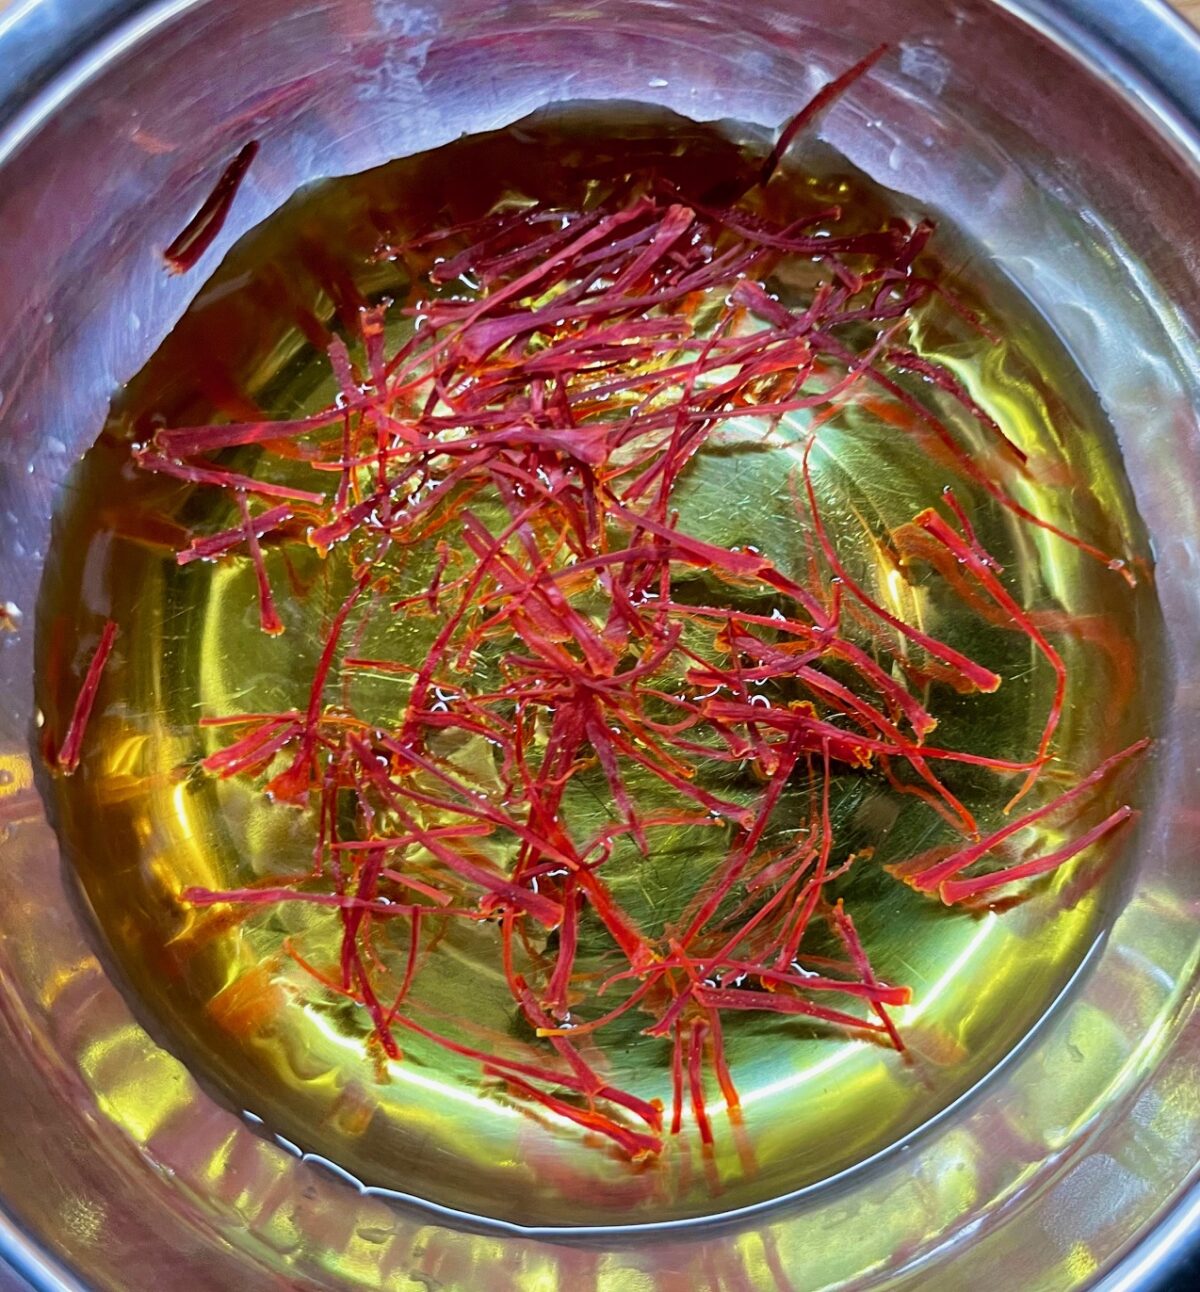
{"x":140,"y":822}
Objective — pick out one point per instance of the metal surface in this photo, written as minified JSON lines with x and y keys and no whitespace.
{"x":1076,"y":168}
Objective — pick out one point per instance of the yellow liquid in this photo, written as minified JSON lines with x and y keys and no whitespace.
{"x":140,"y":822}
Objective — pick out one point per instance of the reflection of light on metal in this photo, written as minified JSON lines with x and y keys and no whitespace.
{"x":1154,"y":1040}
{"x":215,"y":678}
{"x":125,"y":757}
{"x":1080,"y":1262}
{"x":896,"y":587}
{"x":84,"y":1218}
{"x":214,"y":1167}
{"x":138,"y":1087}
{"x":951,"y":972}
{"x":19,"y":801}
{"x":796,"y":1080}
{"x":15,"y":774}
{"x":179,"y":802}
{"x":92,"y":1056}
{"x":409,"y":1074}
{"x":63,"y":977}
{"x":904,"y":1017}
{"x":1159,"y":973}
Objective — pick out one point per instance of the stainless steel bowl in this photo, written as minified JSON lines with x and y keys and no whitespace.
{"x":1063,"y":136}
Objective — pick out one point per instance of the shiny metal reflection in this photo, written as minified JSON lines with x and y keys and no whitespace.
{"x":1074,"y":131}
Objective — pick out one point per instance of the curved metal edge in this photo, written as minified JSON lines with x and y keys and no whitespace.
{"x":53,"y":60}
{"x":1153,"y":36}
{"x":1143,"y":48}
{"x":1151,"y":56}
{"x":30,"y":1263}
{"x":43,"y":37}
{"x":1155,"y":1263}
{"x":723,"y":1221}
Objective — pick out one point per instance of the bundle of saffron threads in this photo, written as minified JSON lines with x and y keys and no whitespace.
{"x":534,"y":434}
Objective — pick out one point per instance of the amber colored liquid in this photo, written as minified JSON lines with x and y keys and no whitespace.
{"x":141,"y":822}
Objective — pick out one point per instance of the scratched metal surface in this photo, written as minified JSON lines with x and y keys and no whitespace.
{"x":133,"y":1174}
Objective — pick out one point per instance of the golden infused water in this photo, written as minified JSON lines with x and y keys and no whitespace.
{"x":145,"y":822}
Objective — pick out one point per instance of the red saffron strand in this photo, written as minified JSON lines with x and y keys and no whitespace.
{"x":677,"y":1079}
{"x":202,"y":229}
{"x":958,"y":890}
{"x":511,"y":478}
{"x":269,"y":619}
{"x":931,"y":879}
{"x":696,"y":1082}
{"x":853,"y":943}
{"x":72,"y":743}
{"x":969,"y":555}
{"x":808,"y":114}
{"x":733,"y":1103}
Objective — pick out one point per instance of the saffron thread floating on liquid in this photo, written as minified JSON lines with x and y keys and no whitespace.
{"x":202,"y":229}
{"x":71,"y":748}
{"x":587,"y":641}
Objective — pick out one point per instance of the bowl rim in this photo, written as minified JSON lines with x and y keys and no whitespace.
{"x":1143,"y":50}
